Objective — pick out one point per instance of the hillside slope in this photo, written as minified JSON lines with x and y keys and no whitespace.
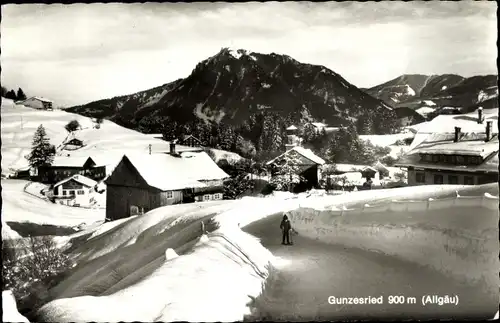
{"x":436,"y":91}
{"x":109,"y":143}
{"x":231,"y":86}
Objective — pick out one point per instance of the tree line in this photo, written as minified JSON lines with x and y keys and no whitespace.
{"x":11,"y":94}
{"x":263,"y":135}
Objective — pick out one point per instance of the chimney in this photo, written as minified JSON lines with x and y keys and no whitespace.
{"x":488,"y":130}
{"x":172,"y":146}
{"x":457,"y":134}
{"x":480,"y":115}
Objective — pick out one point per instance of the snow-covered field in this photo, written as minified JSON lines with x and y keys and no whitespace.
{"x":389,"y":141}
{"x":19,"y":206}
{"x":123,"y":264}
{"x":109,"y":143}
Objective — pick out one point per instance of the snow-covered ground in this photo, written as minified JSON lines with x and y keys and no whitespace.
{"x":19,"y":206}
{"x":389,"y":141}
{"x":123,"y":265}
{"x":227,"y":155}
{"x":108,"y":143}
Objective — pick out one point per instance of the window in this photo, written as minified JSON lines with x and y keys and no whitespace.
{"x":217,"y":196}
{"x":420,"y":177}
{"x":438,"y":179}
{"x":81,"y":192}
{"x":452,"y":179}
{"x":435,"y":158}
{"x":206,"y":197}
{"x":468,"y":180}
{"x":460,"y":160}
{"x":65,"y":192}
{"x":170,"y":194}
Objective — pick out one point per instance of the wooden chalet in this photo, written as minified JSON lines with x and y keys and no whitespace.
{"x":140,"y":183}
{"x":76,"y":190}
{"x":304,"y":161}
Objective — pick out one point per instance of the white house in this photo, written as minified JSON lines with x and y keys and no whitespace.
{"x":76,"y":190}
{"x":37,"y":102}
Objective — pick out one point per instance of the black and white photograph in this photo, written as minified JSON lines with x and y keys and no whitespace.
{"x":249,"y":161}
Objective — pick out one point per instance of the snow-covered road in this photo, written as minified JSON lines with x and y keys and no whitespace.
{"x":311,"y":271}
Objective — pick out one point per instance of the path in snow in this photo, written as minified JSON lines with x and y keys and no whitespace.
{"x":311,"y":271}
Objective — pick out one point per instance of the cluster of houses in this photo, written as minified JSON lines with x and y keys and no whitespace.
{"x":137,"y":183}
{"x":451,"y":149}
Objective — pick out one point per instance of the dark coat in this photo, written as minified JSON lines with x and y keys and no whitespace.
{"x":285,"y":225}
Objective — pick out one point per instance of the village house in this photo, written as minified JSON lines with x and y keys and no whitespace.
{"x":63,"y":167}
{"x":140,"y":183}
{"x":303,"y":162}
{"x":37,"y":102}
{"x":349,"y":176}
{"x":190,"y":141}
{"x":76,"y":190}
{"x":469,"y":158}
{"x":72,"y":144}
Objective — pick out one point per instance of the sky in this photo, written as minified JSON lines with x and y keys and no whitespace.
{"x":75,"y":54}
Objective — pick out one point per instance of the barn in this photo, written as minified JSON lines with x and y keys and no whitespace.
{"x":304,"y":162}
{"x":140,"y":183}
{"x":37,"y":102}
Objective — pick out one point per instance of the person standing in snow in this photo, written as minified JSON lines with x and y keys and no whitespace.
{"x":286,"y":227}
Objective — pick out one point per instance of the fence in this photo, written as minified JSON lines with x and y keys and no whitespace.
{"x":457,"y":236}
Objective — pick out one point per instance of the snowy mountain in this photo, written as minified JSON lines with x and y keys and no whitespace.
{"x":233,"y":85}
{"x":438,"y":91}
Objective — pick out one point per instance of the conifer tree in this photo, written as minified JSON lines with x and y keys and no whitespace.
{"x":42,"y":152}
{"x":20,"y":94}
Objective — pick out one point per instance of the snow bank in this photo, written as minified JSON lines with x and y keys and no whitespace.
{"x":163,"y":266}
{"x":456,"y":236}
{"x":9,"y":307}
{"x":181,"y":289}
{"x":8,"y":233}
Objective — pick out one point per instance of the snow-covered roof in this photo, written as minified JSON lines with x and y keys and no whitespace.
{"x":62,"y":161}
{"x":80,"y":179}
{"x":318,"y":124}
{"x":469,"y":144}
{"x":446,"y":123}
{"x":292,"y":127}
{"x":39,"y":98}
{"x":167,"y":172}
{"x":307,"y":153}
{"x":472,"y":144}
